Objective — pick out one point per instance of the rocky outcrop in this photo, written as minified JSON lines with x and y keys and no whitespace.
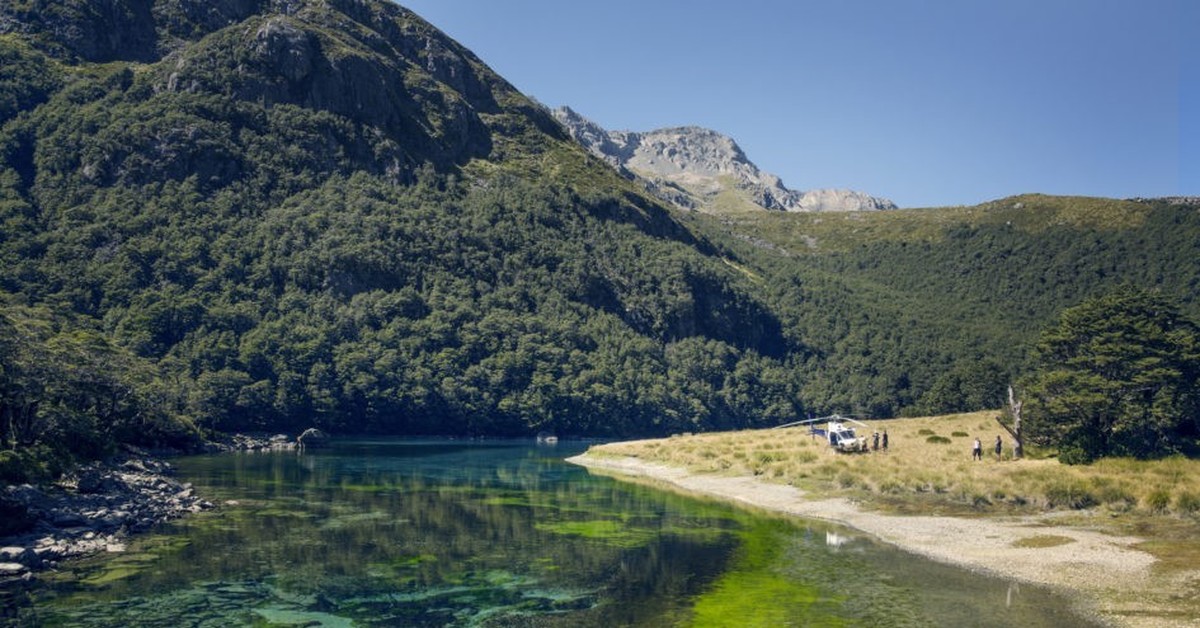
{"x":841,"y":200}
{"x":91,"y":510}
{"x":695,"y":168}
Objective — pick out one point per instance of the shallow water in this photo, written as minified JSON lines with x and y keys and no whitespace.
{"x":456,"y":533}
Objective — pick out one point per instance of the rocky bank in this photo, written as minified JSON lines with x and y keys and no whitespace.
{"x":91,"y":510}
{"x":98,"y":506}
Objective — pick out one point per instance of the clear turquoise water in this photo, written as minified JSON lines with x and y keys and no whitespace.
{"x":445,"y":533}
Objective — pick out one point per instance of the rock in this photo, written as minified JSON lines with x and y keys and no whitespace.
{"x":692,"y":167}
{"x":17,"y":554}
{"x":92,"y":480}
{"x":290,"y":50}
{"x":67,"y":520}
{"x":313,"y":437}
{"x":15,"y":517}
{"x":841,"y":200}
{"x":12,"y":569}
{"x":92,"y":513}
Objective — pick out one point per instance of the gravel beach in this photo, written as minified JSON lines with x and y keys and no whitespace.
{"x":1106,"y":573}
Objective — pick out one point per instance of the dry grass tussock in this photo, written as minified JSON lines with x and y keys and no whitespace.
{"x":928,"y":465}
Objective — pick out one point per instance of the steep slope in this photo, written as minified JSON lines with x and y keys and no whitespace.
{"x":326,"y":212}
{"x":698,"y":168}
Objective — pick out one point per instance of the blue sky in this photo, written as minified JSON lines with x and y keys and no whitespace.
{"x":926,"y":102}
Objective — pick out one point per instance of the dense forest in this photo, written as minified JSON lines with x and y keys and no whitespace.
{"x":936,"y":310}
{"x":268,"y":216}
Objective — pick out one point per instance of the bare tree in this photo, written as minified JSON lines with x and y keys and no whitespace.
{"x":1014,"y":430}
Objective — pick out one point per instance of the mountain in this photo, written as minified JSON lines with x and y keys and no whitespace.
{"x":697,"y":168}
{"x":270,"y":215}
{"x":275,"y":214}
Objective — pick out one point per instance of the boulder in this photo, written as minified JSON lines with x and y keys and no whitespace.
{"x":12,"y":569}
{"x":313,"y":437}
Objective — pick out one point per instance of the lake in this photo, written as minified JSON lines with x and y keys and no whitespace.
{"x":479,"y":533}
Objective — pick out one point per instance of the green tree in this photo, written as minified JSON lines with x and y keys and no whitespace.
{"x":1117,"y":375}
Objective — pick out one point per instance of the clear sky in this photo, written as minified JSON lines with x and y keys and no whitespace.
{"x":925,"y":102}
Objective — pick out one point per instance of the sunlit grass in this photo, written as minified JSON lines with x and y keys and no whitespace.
{"x":930,"y":458}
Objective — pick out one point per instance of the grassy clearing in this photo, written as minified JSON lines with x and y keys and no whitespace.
{"x":928,"y":468}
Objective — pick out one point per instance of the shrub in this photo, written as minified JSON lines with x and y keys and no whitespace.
{"x":1187,"y":503}
{"x":1116,"y":498}
{"x":925,"y":431}
{"x":1069,"y":494}
{"x":1158,"y":501}
{"x":891,"y":487}
{"x":12,"y":468}
{"x":767,"y":458}
{"x":937,"y":440}
{"x":959,"y":434}
{"x":1076,"y":455}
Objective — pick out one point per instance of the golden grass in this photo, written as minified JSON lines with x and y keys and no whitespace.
{"x":928,"y":466}
{"x":1158,"y":501}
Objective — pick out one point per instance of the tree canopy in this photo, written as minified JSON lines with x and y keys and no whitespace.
{"x":1118,"y":375}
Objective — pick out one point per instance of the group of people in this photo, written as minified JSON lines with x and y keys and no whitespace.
{"x":977,"y":450}
{"x":875,"y":441}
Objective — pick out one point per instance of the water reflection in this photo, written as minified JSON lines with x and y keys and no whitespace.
{"x":440,"y":533}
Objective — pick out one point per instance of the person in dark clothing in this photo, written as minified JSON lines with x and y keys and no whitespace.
{"x":999,"y":447}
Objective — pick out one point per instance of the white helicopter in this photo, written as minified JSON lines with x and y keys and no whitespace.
{"x":840,"y":435}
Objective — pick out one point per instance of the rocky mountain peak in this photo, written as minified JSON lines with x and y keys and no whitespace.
{"x":698,"y":168}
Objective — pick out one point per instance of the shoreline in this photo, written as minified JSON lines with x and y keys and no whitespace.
{"x":1105,"y":575}
{"x":96,"y":508}
{"x":99,"y":506}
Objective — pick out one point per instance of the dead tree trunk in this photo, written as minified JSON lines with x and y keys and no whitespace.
{"x":1014,"y":408}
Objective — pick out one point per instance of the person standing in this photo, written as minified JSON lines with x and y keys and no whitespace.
{"x":999,"y":447}
{"x":977,"y":450}
{"x":875,"y":445}
{"x":885,"y":440}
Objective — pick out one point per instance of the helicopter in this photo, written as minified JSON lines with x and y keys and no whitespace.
{"x":838,"y":431}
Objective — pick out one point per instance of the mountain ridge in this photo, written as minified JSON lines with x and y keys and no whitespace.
{"x":694,"y":167}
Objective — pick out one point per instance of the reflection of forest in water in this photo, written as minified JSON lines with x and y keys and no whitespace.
{"x":490,"y":534}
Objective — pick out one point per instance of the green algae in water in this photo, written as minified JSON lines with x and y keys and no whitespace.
{"x":755,"y":591}
{"x":460,"y":535}
{"x":606,"y":530}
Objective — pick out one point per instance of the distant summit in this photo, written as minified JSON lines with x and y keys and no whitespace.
{"x":697,"y":168}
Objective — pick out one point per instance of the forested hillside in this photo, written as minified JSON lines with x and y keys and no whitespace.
{"x":936,"y":310}
{"x":326,"y":213}
{"x":272,"y":215}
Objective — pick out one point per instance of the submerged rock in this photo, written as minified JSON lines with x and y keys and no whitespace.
{"x":313,"y":437}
